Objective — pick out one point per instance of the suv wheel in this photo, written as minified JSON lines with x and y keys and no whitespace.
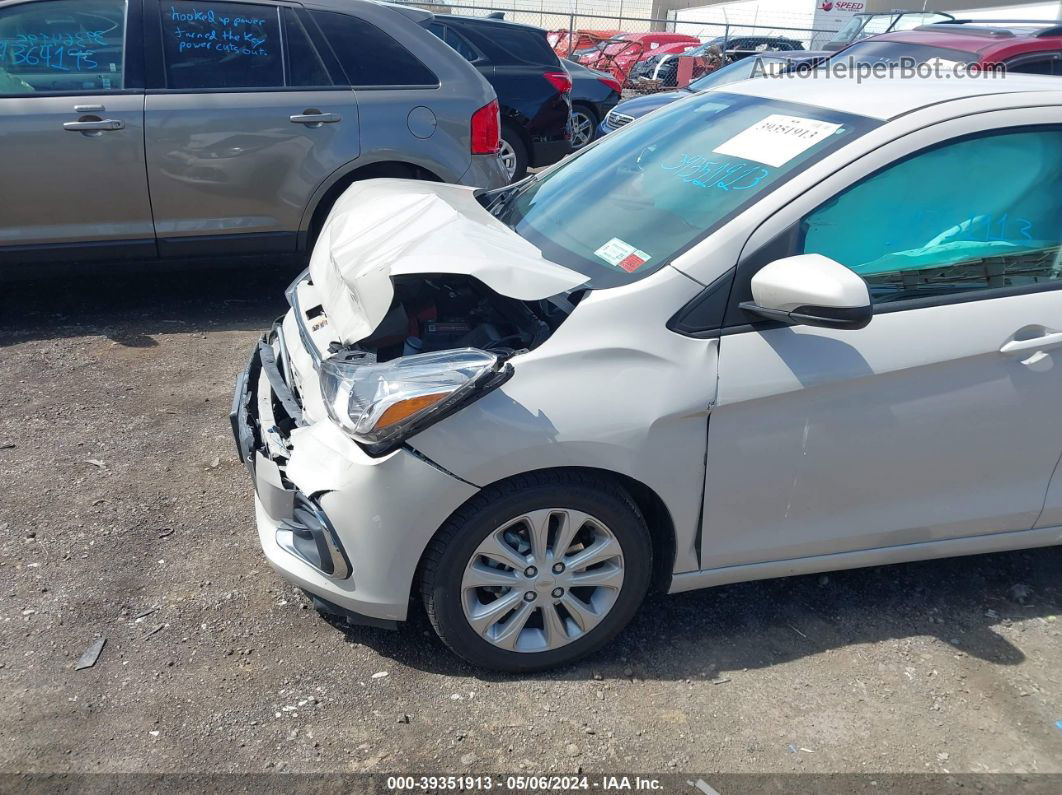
{"x":538,"y":571}
{"x":584,"y":125}
{"x":513,"y":155}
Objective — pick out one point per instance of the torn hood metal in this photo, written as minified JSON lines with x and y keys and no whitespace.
{"x":388,"y":227}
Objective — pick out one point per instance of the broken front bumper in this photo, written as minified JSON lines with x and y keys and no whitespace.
{"x":338,"y":523}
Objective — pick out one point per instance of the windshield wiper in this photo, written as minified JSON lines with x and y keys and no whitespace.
{"x":496,"y":201}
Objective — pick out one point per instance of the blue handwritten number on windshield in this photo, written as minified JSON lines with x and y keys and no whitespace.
{"x":721,"y":174}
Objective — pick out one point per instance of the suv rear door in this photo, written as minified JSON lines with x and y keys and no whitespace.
{"x":245,"y":118}
{"x":71,"y":122}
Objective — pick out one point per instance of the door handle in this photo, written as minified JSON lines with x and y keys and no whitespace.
{"x":1042,"y":343}
{"x":316,"y":119}
{"x":103,"y":125}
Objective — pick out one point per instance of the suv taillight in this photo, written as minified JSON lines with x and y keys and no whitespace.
{"x":486,"y":129}
{"x":561,"y":81}
{"x":612,"y":83}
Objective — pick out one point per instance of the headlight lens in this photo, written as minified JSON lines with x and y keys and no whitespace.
{"x":380,"y":404}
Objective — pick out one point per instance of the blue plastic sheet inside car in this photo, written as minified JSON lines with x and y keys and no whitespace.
{"x":982,"y":198}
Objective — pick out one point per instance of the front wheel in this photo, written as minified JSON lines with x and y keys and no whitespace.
{"x":537,"y":572}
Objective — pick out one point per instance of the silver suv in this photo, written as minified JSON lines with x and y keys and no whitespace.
{"x":149,"y":129}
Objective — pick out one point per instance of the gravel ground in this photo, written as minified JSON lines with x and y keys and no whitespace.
{"x":126,"y":515}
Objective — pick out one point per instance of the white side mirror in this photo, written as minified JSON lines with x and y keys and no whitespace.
{"x":811,"y":290}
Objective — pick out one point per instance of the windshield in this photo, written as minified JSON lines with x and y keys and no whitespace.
{"x":621,"y":209}
{"x":626,"y":42}
{"x":891,"y":52}
{"x":731,"y":73}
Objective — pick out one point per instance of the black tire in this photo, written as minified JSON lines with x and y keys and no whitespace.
{"x":510,"y":136}
{"x":456,"y":542}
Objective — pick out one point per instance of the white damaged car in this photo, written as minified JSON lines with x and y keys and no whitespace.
{"x":743,"y":337}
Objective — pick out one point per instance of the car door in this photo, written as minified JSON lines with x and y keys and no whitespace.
{"x":244,"y":121}
{"x":71,"y":126}
{"x":937,"y":421}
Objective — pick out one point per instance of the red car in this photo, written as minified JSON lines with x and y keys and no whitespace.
{"x":1028,"y":47}
{"x":619,"y":54}
{"x":565,"y":45}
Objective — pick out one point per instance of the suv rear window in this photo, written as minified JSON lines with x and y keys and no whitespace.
{"x":523,"y":44}
{"x":370,"y":57}
{"x":230,"y":46}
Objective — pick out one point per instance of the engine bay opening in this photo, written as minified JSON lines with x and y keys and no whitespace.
{"x":443,"y":312}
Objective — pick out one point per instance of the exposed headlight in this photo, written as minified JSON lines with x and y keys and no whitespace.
{"x":379,"y":405}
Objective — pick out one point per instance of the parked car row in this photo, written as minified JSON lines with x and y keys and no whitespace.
{"x":148,"y":129}
{"x":232,"y":129}
{"x":1021,"y":48}
{"x":708,"y":57}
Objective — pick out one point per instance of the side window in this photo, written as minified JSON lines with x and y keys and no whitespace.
{"x":1051,"y":64}
{"x":369,"y":56}
{"x":456,"y":41}
{"x":226,"y":45}
{"x":986,"y":214}
{"x":62,"y":45}
{"x":302,"y":63}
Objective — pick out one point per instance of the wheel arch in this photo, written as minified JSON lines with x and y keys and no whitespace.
{"x":587,"y":106}
{"x":520,"y":129}
{"x":652,"y":507}
{"x":317,"y":212}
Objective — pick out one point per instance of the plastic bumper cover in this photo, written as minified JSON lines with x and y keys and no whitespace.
{"x":346,"y":527}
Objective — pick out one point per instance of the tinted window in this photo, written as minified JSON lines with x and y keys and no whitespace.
{"x":463,"y":47}
{"x":303,"y":65}
{"x":891,"y":52}
{"x":966,"y":227}
{"x":1050,"y":65}
{"x":523,"y":44}
{"x":62,"y":45}
{"x":226,"y":45}
{"x":369,"y":56}
{"x":622,"y":209}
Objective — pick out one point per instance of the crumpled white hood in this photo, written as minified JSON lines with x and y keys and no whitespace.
{"x":389,"y":227}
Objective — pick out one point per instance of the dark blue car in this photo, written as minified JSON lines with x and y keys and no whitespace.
{"x":631,"y":109}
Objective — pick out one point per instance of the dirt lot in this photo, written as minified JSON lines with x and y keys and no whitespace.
{"x":125,"y":514}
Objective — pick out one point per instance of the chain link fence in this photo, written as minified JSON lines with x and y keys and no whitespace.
{"x":577,"y":27}
{"x":630,"y":16}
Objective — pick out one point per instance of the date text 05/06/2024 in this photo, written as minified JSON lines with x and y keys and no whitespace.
{"x":522,"y":783}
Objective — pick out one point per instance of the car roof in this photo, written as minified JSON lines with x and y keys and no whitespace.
{"x":418,"y":15}
{"x":657,"y":35}
{"x":888,"y":97}
{"x":486,"y":21}
{"x":977,"y":38}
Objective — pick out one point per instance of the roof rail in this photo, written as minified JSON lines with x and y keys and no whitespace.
{"x":1047,"y":22}
{"x":952,"y":27}
{"x":1052,"y":31}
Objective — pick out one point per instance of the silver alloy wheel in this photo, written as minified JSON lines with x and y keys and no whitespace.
{"x":507,"y":155}
{"x":582,"y":129}
{"x":542,"y":580}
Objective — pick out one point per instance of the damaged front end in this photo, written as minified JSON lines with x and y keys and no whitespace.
{"x":416,"y":303}
{"x":445,"y":341}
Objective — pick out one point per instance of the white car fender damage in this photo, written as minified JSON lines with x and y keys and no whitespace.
{"x":600,"y":394}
